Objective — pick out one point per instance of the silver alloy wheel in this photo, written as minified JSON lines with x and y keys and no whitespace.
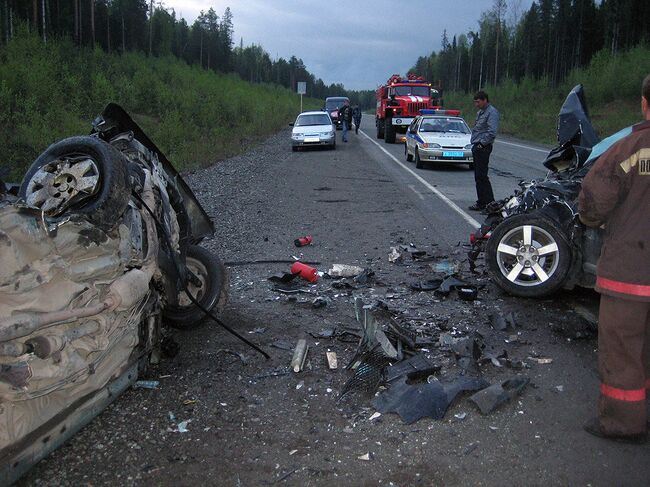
{"x":201,"y":272}
{"x":528,"y":255}
{"x":61,"y":183}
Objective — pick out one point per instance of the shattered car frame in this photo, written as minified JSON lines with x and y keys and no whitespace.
{"x":534,"y":242}
{"x":99,"y":246}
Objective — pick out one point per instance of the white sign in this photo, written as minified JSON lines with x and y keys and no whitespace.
{"x":302,"y":87}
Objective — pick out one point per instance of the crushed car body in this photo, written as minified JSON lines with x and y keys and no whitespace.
{"x":99,"y":247}
{"x":534,"y":242}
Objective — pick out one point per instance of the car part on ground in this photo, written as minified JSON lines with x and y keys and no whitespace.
{"x":99,"y":249}
{"x":534,"y":241}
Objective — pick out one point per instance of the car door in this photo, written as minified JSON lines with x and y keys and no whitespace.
{"x":410,"y":135}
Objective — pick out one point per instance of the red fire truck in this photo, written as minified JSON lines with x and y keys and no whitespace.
{"x":400,"y":100}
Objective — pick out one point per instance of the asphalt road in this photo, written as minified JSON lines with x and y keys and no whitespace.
{"x":453,"y":184}
{"x":252,"y":422}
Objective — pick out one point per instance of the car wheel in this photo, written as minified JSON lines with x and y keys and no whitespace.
{"x":527,"y":255}
{"x":389,"y":131}
{"x":418,"y":162}
{"x":79,"y":175}
{"x":409,"y":157}
{"x":212,"y":293}
{"x":380,"y":128}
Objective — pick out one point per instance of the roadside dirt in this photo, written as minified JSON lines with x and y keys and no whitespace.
{"x":251,"y":421}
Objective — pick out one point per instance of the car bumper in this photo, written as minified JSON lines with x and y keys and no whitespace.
{"x":437,"y":155}
{"x":312,"y":142}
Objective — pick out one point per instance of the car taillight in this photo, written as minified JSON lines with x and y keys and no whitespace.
{"x":425,"y":145}
{"x":472,"y":238}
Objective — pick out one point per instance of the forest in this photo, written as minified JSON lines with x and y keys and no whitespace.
{"x":120,"y":26}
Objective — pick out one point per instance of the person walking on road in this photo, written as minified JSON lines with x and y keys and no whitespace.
{"x":483,"y":134}
{"x":616,"y":193}
{"x":345,"y":115}
{"x":356,"y":115}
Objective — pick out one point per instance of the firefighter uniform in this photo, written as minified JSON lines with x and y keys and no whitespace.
{"x":616,"y":193}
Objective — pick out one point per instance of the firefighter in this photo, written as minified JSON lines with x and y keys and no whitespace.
{"x":616,"y":193}
{"x":483,"y":134}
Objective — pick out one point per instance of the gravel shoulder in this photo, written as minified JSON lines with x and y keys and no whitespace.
{"x":252,"y":422}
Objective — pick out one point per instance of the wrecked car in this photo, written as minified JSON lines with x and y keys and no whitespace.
{"x":534,"y":242}
{"x":99,"y":248}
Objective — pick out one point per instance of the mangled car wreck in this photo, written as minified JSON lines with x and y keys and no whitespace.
{"x":534,"y":241}
{"x":99,"y":246}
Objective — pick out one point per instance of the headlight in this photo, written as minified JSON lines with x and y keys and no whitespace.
{"x":431,"y":146}
{"x":468,"y":147}
{"x":297,"y":136}
{"x":326,"y":134}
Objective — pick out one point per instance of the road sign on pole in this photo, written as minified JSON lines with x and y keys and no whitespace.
{"x":302,"y":90}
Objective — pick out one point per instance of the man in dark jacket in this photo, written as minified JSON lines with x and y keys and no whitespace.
{"x":345,"y":115}
{"x":483,"y":134}
{"x":356,"y":115}
{"x":616,"y":193}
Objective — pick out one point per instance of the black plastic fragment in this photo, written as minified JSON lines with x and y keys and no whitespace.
{"x":413,"y":368}
{"x":414,"y":402}
{"x":494,"y":396}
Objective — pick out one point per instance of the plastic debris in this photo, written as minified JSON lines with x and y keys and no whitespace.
{"x":494,"y":396}
{"x":541,"y":360}
{"x":319,"y":302}
{"x":306,"y":272}
{"x":413,"y":368}
{"x":344,"y":270}
{"x":460,"y":416}
{"x":303,"y":241}
{"x":426,"y":285}
{"x":414,"y":402}
{"x":394,"y":256}
{"x":299,"y":355}
{"x":332,"y":361}
{"x":365,"y":457}
{"x":146,"y":384}
{"x":446,"y":267}
{"x":284,"y":277}
{"x":503,"y":322}
{"x":467,"y":292}
{"x":374,"y":416}
{"x":182,"y":426}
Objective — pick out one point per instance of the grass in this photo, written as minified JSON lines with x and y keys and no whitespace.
{"x":195,"y":116}
{"x":529,"y":109}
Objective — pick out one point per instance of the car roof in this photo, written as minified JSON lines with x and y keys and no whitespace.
{"x":439,"y":117}
{"x":315,"y":112}
{"x":336,"y":98}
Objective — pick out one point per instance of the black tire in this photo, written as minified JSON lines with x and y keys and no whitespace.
{"x":105,"y":207}
{"x":389,"y":131}
{"x":409,"y":157}
{"x":294,"y":148}
{"x":418,"y":162}
{"x":213,"y":294}
{"x":380,"y":128}
{"x":528,"y":282}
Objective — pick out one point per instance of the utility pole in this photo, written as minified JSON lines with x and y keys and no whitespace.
{"x":92,"y":21}
{"x":43,"y":18}
{"x":150,"y":26}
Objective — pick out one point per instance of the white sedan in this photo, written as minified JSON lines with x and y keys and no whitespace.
{"x":438,"y":138}
{"x":313,"y":129}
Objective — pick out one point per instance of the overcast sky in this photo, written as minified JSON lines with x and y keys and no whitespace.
{"x":357,"y":43}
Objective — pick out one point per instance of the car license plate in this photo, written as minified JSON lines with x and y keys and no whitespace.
{"x":453,"y":153}
{"x":312,"y":139}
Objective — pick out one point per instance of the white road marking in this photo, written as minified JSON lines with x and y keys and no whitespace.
{"x":545,"y":151}
{"x":420,"y":195}
{"x":431,"y":188}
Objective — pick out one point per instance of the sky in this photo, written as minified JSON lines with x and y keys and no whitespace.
{"x":358,"y":43}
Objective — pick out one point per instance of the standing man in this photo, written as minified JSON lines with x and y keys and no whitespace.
{"x":483,"y":135}
{"x":616,"y":193}
{"x":345,"y":114}
{"x":356,"y":114}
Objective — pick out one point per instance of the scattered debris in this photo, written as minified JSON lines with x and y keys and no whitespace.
{"x":494,"y":396}
{"x":426,"y":285}
{"x":344,"y":270}
{"x":365,"y":457}
{"x":303,"y":241}
{"x":284,"y":277}
{"x":430,"y":399}
{"x":541,"y":360}
{"x":367,"y":373}
{"x":282,"y":345}
{"x":467,"y":293}
{"x":332,"y":361}
{"x":299,"y":355}
{"x":146,"y":384}
{"x":319,"y":302}
{"x":416,"y":367}
{"x":503,"y":322}
{"x":306,"y":272}
{"x":182,"y":426}
{"x":394,"y":256}
{"x":374,"y":416}
{"x":460,"y":416}
{"x":446,"y":267}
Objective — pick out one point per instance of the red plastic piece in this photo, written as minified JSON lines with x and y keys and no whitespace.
{"x":306,"y":272}
{"x":302,"y":241}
